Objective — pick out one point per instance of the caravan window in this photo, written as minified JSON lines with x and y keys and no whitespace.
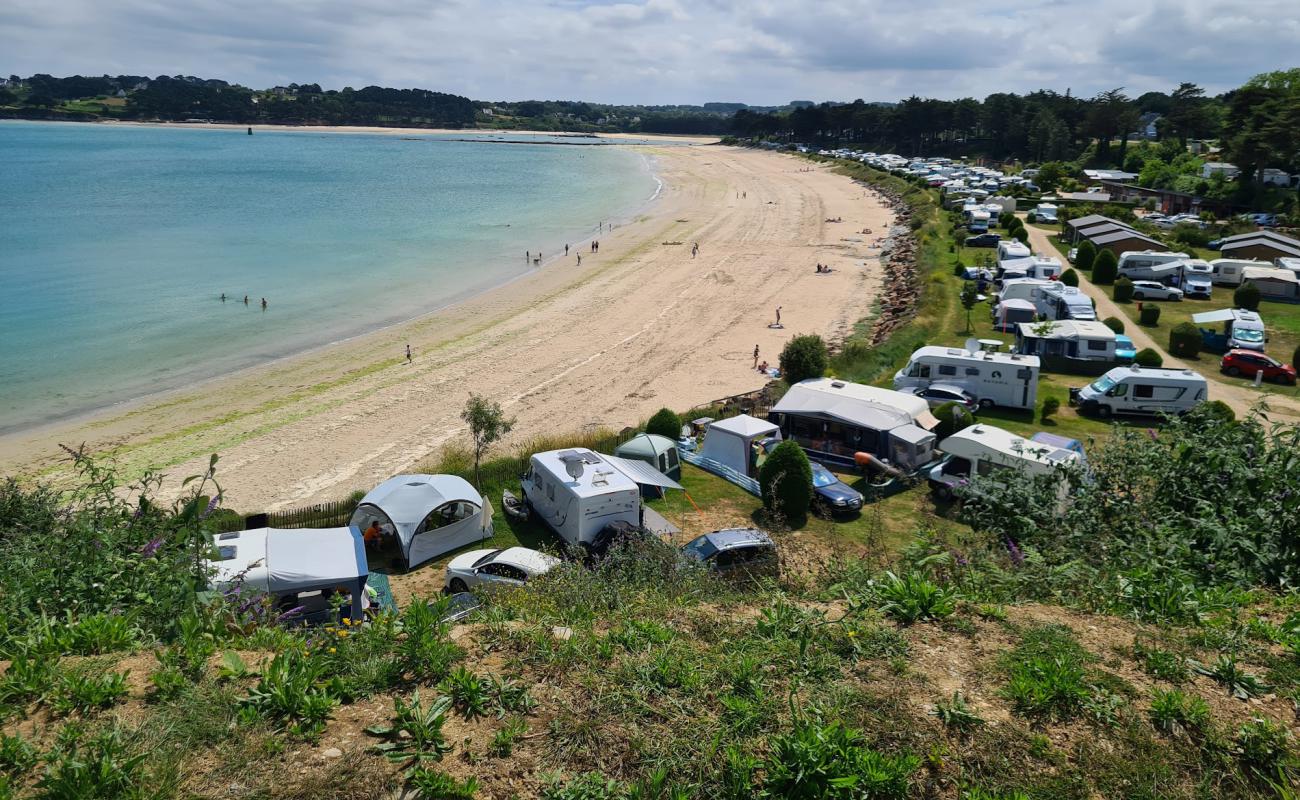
{"x":919,"y":370}
{"x":672,"y":459}
{"x":947,"y":369}
{"x":1024,"y":373}
{"x":985,"y":467}
{"x":1143,"y":390}
{"x":973,"y":371}
{"x":1093,"y":344}
{"x":550,"y":491}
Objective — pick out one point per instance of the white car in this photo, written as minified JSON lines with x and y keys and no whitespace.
{"x":486,"y":569}
{"x":1154,"y":290}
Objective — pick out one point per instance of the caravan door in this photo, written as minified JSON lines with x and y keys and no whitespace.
{"x":449,"y":526}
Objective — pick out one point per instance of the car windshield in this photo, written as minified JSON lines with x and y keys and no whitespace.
{"x":1247,"y":335}
{"x":700,"y":548}
{"x":822,"y":476}
{"x":1102,"y":384}
{"x":487,"y":558}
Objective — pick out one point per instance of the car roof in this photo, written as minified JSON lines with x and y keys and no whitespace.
{"x":947,"y":387}
{"x":526,"y":559}
{"x":729,"y":538}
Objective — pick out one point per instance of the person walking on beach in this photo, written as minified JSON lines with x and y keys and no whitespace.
{"x":223,"y":297}
{"x":580,"y":259}
{"x":408,"y":353}
{"x":566,"y":249}
{"x":778,"y":315}
{"x":755,"y":356}
{"x":695,"y":248}
{"x":528,"y":256}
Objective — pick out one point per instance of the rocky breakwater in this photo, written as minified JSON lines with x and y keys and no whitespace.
{"x":902,"y":286}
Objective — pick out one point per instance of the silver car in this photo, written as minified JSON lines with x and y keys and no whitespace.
{"x":487,"y":569}
{"x":1154,"y":290}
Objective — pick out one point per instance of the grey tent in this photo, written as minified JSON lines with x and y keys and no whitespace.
{"x":659,"y":452}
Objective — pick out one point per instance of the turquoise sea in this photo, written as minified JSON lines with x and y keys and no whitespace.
{"x":116,"y":243}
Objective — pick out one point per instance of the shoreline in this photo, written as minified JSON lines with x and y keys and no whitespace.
{"x":640,"y":325}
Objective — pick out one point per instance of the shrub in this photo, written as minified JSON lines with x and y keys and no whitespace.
{"x":1086,"y":257}
{"x":1146,"y":357}
{"x":665,"y":423}
{"x":1123,"y":291}
{"x":803,"y":357}
{"x":1213,"y":411}
{"x":1263,"y":746}
{"x":957,"y":713}
{"x":415,"y":737}
{"x":1006,"y":219}
{"x":914,"y":597}
{"x":1114,"y":323}
{"x":1070,"y":278}
{"x":1047,"y":687}
{"x":1021,"y":235}
{"x":1176,"y":712}
{"x":786,"y":482}
{"x":958,"y":268}
{"x":1247,"y":297}
{"x":1149,"y":315}
{"x":292,"y":692}
{"x":432,"y":784}
{"x":1031,"y":217}
{"x":1104,"y":268}
{"x":952,"y":416}
{"x":1050,"y":406}
{"x":1185,"y":340}
{"x":832,"y":761}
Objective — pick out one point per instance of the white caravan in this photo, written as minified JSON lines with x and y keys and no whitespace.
{"x":1001,"y":379}
{"x":1038,"y":267}
{"x":1228,"y":271}
{"x":985,"y":451}
{"x":1021,"y":289}
{"x":1134,"y":259}
{"x":1013,"y":248}
{"x":1058,"y":301}
{"x":1068,"y":339}
{"x":1142,"y":390}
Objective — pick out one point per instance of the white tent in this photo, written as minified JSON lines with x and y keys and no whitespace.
{"x":283,"y":561}
{"x":730,"y":441}
{"x":429,"y":514}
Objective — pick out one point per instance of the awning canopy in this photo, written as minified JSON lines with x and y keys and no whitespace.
{"x":641,"y":472}
{"x":1222,"y":315}
{"x":279,"y":560}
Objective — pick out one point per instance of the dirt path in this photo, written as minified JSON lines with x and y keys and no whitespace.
{"x":640,"y":325}
{"x":1241,"y":400}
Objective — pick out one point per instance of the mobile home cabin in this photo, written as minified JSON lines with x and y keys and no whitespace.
{"x":985,"y":451}
{"x":835,"y":421}
{"x":1142,"y":390}
{"x":1071,"y":346}
{"x":996,"y":379}
{"x":1058,"y":301}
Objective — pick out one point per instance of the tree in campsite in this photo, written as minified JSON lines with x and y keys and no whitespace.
{"x":665,"y":423}
{"x":1123,"y":291}
{"x":1114,"y":323}
{"x":1185,"y":340}
{"x":1104,"y":268}
{"x":1146,"y":357}
{"x":1087,"y":255}
{"x":969,"y":299}
{"x":487,"y":424}
{"x":1070,"y":278}
{"x":1020,"y":235}
{"x":785,"y":480}
{"x":804,"y":357}
{"x":1050,"y":406}
{"x":1149,"y":315}
{"x":1247,"y":297}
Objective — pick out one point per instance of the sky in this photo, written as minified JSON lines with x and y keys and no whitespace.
{"x":664,"y":51}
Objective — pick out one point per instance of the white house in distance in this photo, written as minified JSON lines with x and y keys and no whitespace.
{"x":1211,"y":168}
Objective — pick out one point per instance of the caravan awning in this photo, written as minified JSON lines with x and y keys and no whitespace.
{"x":641,"y":472}
{"x":1222,"y":315}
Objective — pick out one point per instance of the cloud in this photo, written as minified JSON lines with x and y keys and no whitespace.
{"x":664,"y":51}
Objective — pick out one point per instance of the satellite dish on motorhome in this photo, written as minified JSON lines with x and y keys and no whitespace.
{"x":972,"y":345}
{"x":573,"y":464}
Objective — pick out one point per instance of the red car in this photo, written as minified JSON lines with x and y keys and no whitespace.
{"x":1248,"y":362}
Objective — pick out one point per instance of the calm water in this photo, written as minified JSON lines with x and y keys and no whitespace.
{"x":116,"y":243}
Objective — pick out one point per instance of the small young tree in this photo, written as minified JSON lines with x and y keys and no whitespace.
{"x":1050,"y":406}
{"x":804,"y":357}
{"x":1005,"y":218}
{"x":1185,"y":340}
{"x":785,"y":481}
{"x":1123,"y":291}
{"x":969,"y":299}
{"x":1247,"y":297}
{"x":1114,"y":323}
{"x":665,"y":423}
{"x":487,"y":424}
{"x":1150,"y":315}
{"x":1146,"y":357}
{"x":1104,"y":268}
{"x":1070,"y":278}
{"x":1086,"y":256}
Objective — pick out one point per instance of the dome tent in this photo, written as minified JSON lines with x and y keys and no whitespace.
{"x":659,"y":452}
{"x":427,"y":514}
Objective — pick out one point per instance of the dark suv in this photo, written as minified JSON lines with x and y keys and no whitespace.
{"x":746,"y":552}
{"x":983,"y":240}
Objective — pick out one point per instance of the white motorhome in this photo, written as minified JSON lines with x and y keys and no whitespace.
{"x":1242,"y":329}
{"x":1021,"y":289}
{"x":579,"y":492}
{"x":979,"y":221}
{"x":1058,"y":301}
{"x":984,"y":451}
{"x":1001,"y":379}
{"x":1013,"y":248}
{"x":1228,"y":271}
{"x":1142,"y":390}
{"x":1169,"y":273}
{"x":1135,"y":259}
{"x":1198,"y":278}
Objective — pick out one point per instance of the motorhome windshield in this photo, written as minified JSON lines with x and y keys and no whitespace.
{"x":1102,"y":384}
{"x":1247,"y":335}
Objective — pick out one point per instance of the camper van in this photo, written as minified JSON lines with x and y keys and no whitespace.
{"x":996,"y":379}
{"x":979,"y":221}
{"x":1198,"y":278}
{"x":1058,"y":301}
{"x":1228,"y":271}
{"x":578,"y":493}
{"x":1242,"y":330}
{"x":1141,"y":390}
{"x":985,"y":451}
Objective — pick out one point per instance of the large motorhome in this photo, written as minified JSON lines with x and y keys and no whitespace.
{"x":1058,"y":301}
{"x":1142,"y":390}
{"x":1013,"y":248}
{"x":1136,"y":259}
{"x":995,"y":379}
{"x":1045,"y":212}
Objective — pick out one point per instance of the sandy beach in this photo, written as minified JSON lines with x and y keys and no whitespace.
{"x":637,"y":326}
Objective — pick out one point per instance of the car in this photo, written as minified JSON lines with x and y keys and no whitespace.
{"x":1215,"y":244}
{"x":1072,"y":255}
{"x":491,"y":569}
{"x":1125,"y":350}
{"x":832,"y":495}
{"x":1155,"y":290}
{"x":936,"y":394}
{"x":735,"y":551}
{"x":983,"y":240}
{"x":1248,"y":362}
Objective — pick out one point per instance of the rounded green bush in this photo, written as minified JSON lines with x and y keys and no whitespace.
{"x":1021,"y":235}
{"x":1185,"y":340}
{"x":952,"y":416}
{"x":1123,"y":291}
{"x":1114,"y":323}
{"x":1070,"y":278}
{"x":1150,"y":315}
{"x":785,"y":480}
{"x":1146,"y":357}
{"x":665,"y":423}
{"x":1031,"y":217}
{"x":1050,"y":406}
{"x":1104,"y":268}
{"x":1247,"y":296}
{"x":804,"y":357}
{"x":1086,"y":257}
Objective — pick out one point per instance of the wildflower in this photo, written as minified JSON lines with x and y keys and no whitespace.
{"x":961,"y":560}
{"x":1017,"y":557}
{"x":333,"y":650}
{"x":343,"y":634}
{"x":151,"y":547}
{"x":852,"y":634}
{"x":1152,"y":433}
{"x":212,"y":506}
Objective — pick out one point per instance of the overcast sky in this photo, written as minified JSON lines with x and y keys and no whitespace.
{"x":664,"y":51}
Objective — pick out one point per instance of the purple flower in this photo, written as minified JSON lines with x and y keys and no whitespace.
{"x":1017,"y":557}
{"x":212,"y":506}
{"x":961,"y":560}
{"x":151,"y":547}
{"x":1152,"y":433}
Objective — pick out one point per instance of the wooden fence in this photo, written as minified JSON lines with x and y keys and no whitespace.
{"x":321,"y":515}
